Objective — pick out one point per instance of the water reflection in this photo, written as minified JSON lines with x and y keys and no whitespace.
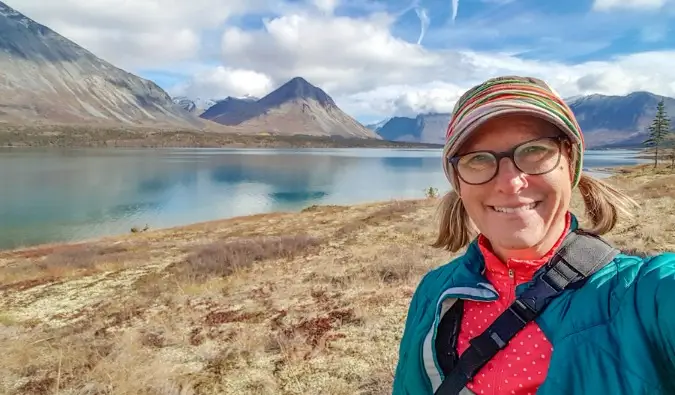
{"x":72,"y":194}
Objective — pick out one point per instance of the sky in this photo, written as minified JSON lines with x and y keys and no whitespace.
{"x":377,"y":59}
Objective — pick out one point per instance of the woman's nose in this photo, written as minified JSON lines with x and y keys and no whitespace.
{"x":509,"y":178}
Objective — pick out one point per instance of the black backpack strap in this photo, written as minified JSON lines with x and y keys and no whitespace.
{"x":447,"y":336}
{"x":580,"y":255}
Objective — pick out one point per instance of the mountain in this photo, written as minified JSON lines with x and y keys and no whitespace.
{"x":296,"y":107}
{"x":232,"y":111}
{"x":425,"y":128}
{"x":607,"y":121}
{"x":199,"y":106}
{"x":618,"y":121}
{"x":377,"y":126}
{"x":47,"y":78}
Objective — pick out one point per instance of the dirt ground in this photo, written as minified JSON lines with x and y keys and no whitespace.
{"x":283,"y":303}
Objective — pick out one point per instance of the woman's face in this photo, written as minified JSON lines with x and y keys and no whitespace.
{"x":522,"y":215}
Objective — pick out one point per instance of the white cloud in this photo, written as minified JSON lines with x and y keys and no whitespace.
{"x":220,"y":82}
{"x":605,"y":5}
{"x":455,"y":9}
{"x":139,"y":33}
{"x":424,"y":22}
{"x":343,"y":54}
{"x":404,"y":100}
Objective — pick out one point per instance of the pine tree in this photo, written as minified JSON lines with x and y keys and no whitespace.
{"x":658,"y":131}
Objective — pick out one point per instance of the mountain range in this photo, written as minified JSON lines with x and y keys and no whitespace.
{"x":46,"y":79}
{"x":607,"y":121}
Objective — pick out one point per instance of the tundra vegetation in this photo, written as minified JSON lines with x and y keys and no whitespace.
{"x":283,"y":303}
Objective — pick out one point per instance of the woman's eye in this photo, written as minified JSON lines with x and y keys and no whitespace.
{"x":478,"y":160}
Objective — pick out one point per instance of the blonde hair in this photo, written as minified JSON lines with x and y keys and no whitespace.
{"x":604,"y":206}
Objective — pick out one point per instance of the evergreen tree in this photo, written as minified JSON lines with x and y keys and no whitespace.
{"x":658,"y":131}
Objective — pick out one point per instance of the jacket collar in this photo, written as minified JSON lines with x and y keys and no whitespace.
{"x":524,"y":268}
{"x":470,"y":272}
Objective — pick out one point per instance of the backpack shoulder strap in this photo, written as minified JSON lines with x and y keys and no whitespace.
{"x":580,"y":255}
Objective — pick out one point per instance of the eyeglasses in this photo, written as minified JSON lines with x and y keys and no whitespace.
{"x":533,"y":157}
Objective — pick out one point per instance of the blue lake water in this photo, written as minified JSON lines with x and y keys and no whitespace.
{"x":55,"y":195}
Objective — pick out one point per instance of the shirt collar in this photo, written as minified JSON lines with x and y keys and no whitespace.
{"x":524,"y":268}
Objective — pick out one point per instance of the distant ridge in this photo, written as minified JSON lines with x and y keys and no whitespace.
{"x":425,"y":128}
{"x":607,"y":121}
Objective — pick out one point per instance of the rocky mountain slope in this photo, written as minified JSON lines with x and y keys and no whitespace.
{"x":297,"y":107}
{"x":46,"y":78}
{"x":607,"y":121}
{"x":616,"y":121}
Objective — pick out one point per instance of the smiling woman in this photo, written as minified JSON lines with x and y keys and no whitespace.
{"x":535,"y":303}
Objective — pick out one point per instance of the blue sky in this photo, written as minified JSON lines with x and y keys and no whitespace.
{"x":366,"y":54}
{"x":568,"y":32}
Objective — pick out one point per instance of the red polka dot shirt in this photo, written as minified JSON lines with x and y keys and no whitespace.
{"x":521,"y":367}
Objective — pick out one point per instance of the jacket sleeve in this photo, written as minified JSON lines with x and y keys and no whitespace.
{"x":657,"y":296}
{"x":405,"y":346}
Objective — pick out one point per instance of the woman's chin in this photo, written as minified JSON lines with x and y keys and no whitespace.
{"x":517,"y":238}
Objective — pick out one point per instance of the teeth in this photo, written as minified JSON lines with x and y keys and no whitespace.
{"x":515,"y":209}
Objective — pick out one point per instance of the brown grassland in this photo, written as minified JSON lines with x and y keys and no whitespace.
{"x":283,"y":303}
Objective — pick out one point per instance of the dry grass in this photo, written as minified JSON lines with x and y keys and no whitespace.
{"x":40,"y":265}
{"x":285,"y":303}
{"x":223,"y":257}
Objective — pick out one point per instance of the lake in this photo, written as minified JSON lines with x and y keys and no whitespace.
{"x":56,"y":195}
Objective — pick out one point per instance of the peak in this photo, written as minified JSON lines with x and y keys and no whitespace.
{"x":297,"y":88}
{"x":299,"y":83}
{"x":5,"y":7}
{"x":11,"y":13}
{"x":299,"y":80}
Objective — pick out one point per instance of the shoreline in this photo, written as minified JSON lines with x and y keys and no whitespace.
{"x":611,"y":172}
{"x":69,"y":136}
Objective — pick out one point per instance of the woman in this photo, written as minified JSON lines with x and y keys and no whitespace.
{"x":514,"y":154}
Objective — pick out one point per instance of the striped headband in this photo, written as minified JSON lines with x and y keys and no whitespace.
{"x":509,"y":95}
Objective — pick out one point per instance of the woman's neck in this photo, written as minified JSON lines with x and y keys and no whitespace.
{"x":537,"y":251}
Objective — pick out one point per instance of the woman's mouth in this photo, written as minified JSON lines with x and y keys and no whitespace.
{"x":515,"y":209}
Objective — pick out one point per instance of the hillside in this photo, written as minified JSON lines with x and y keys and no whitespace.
{"x":296,"y":107}
{"x":618,"y":120}
{"x":46,"y":78}
{"x":607,"y":121}
{"x":282,"y":303}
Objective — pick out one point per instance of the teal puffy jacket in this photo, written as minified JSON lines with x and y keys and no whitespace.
{"x":615,"y":335}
